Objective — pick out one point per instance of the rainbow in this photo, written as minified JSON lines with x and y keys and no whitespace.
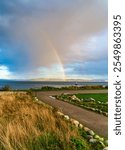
{"x":62,"y":75}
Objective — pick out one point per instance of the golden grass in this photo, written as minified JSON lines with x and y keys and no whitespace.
{"x":23,"y":122}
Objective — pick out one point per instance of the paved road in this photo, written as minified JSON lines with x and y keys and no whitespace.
{"x":94,"y":121}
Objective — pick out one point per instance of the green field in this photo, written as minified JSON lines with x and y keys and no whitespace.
{"x":102,"y":97}
{"x":96,"y":102}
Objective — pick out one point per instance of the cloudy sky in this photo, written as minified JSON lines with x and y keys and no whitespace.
{"x":53,"y":39}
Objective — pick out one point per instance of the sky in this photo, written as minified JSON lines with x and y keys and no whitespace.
{"x":54,"y":39}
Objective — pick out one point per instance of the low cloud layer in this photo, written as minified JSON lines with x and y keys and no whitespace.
{"x":42,"y":34}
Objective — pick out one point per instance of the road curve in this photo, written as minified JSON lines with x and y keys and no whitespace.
{"x":94,"y":121}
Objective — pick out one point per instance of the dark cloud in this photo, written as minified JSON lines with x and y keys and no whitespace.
{"x":49,"y":32}
{"x":89,"y":68}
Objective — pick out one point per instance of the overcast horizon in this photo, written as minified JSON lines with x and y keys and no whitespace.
{"x":54,"y":39}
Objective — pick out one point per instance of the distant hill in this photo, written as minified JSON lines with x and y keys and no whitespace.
{"x":58,"y":80}
{"x":69,"y":80}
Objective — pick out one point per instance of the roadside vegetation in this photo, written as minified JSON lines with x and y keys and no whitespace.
{"x":95,"y":102}
{"x":49,"y":88}
{"x":26,"y":124}
{"x":86,"y":87}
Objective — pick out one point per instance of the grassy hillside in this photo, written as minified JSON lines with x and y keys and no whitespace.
{"x":27,"y":125}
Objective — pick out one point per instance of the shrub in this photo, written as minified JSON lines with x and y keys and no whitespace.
{"x":6,"y":88}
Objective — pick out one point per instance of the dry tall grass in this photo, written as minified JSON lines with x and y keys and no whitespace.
{"x":27,"y":125}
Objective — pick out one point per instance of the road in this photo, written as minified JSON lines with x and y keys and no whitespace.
{"x":94,"y":121}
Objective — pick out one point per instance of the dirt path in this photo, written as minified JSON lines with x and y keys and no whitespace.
{"x":94,"y":121}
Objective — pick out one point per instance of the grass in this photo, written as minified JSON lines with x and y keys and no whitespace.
{"x":86,"y":87}
{"x":99,"y":104}
{"x":102,"y":97}
{"x":27,"y":125}
{"x":49,"y":88}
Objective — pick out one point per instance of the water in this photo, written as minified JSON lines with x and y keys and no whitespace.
{"x":39,"y":84}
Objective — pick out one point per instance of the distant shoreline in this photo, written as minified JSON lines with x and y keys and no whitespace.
{"x":39,"y":84}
